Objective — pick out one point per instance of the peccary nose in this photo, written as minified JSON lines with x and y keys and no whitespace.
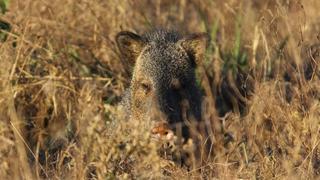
{"x":161,"y":128}
{"x":161,"y":131}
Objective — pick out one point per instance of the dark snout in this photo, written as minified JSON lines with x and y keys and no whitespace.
{"x":168,"y":112}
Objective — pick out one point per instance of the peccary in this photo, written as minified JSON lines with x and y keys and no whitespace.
{"x":163,"y":86}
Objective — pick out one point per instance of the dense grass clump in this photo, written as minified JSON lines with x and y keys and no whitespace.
{"x":61,"y":79}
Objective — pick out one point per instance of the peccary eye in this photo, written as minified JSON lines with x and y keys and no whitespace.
{"x":175,"y":84}
{"x":146,"y":87}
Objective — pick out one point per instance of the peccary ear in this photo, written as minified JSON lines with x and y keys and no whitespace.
{"x":130,"y":45}
{"x":195,"y":45}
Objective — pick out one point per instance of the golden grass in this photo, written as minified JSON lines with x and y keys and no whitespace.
{"x":61,"y":78}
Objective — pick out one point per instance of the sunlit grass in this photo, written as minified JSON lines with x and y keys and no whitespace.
{"x":61,"y":79}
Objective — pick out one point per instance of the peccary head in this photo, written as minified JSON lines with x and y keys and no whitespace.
{"x":163,"y":87}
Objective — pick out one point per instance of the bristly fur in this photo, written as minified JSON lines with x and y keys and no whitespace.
{"x":162,"y":36}
{"x":160,"y":57}
{"x":163,"y":85}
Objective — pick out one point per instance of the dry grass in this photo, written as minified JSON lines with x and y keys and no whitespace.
{"x":61,"y":79}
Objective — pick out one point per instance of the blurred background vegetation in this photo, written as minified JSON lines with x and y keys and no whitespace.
{"x":61,"y":78}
